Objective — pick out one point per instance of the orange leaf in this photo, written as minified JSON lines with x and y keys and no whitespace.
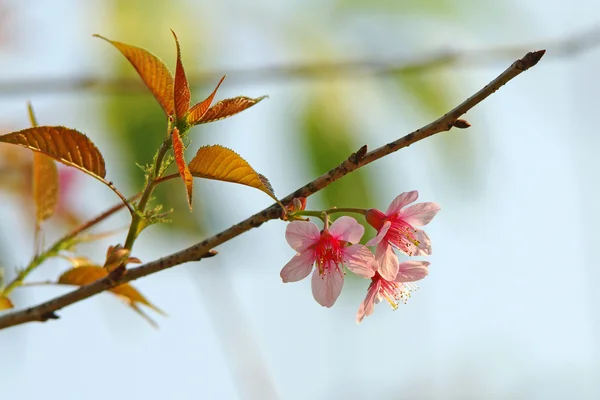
{"x":88,"y":274}
{"x":45,"y":186}
{"x":83,"y":275}
{"x":5,"y":303}
{"x":182,"y":90}
{"x":184,"y":171}
{"x":222,"y":164}
{"x":65,"y":145}
{"x":198,"y":111}
{"x":45,"y":180}
{"x":152,"y":70}
{"x":226,"y":108}
{"x":132,"y":296}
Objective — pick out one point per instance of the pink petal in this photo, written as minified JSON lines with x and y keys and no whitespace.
{"x":401,"y":201}
{"x":424,"y":248}
{"x":366,"y":307}
{"x":387,"y":260}
{"x":420,"y":214}
{"x":347,"y":229}
{"x":360,"y":260}
{"x":380,"y":235}
{"x":410,"y":271}
{"x":326,"y":288}
{"x":302,"y":234}
{"x":298,"y":267}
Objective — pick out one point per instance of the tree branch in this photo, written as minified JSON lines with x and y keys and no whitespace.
{"x":563,"y":47}
{"x":45,"y":311}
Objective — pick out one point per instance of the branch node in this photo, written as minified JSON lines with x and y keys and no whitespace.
{"x":49,"y":315}
{"x":530,"y":59}
{"x":211,"y":253}
{"x":461,"y":124}
{"x":357,"y":157}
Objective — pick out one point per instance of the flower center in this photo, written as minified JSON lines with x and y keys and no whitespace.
{"x":402,"y":235}
{"x":395,"y":292}
{"x":328,"y":252}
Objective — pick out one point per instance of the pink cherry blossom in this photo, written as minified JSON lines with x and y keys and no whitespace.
{"x":396,"y":229}
{"x":394,"y":291}
{"x":329,"y":250}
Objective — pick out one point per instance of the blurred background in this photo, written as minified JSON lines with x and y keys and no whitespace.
{"x":510,"y":308}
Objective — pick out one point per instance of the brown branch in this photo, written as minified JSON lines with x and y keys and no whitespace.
{"x":45,"y":311}
{"x":564,"y":47}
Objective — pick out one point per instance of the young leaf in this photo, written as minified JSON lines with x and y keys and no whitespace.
{"x":184,"y":171}
{"x":226,"y":108}
{"x":198,"y":110}
{"x":182,"y":94}
{"x":153,"y":72}
{"x":132,"y":296}
{"x":45,"y":186}
{"x":5,"y":303}
{"x":65,"y":145}
{"x":222,"y":164}
{"x":117,"y":256}
{"x":85,"y":275}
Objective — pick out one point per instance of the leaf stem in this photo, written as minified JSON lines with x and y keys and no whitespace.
{"x":139,"y":217}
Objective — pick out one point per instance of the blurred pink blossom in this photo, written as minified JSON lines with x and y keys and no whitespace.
{"x":394,"y":291}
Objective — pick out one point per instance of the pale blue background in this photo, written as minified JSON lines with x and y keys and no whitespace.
{"x":511,"y":307}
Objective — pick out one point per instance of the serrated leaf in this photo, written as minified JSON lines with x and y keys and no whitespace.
{"x":182,"y":94}
{"x":198,"y":110}
{"x":228,"y":107}
{"x":85,"y":275}
{"x":65,"y":145}
{"x":5,"y":303}
{"x":45,"y":186}
{"x":153,"y":72}
{"x":184,"y":171}
{"x":222,"y":164}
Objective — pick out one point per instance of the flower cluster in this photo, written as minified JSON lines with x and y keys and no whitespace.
{"x":334,"y":247}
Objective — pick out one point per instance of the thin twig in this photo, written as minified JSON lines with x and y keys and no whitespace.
{"x":46,"y":310}
{"x":564,"y":47}
{"x":55,"y":248}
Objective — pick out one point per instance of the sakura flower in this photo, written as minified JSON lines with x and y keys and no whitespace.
{"x":396,"y":228}
{"x":330,"y":250}
{"x":394,"y":291}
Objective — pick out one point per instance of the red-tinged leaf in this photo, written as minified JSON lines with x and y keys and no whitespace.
{"x":153,"y":72}
{"x":184,"y":171}
{"x":5,"y":303}
{"x":222,"y":164}
{"x":182,"y":94}
{"x":226,"y":108}
{"x":85,"y":275}
{"x":65,"y":145}
{"x":198,"y":111}
{"x":45,"y":186}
